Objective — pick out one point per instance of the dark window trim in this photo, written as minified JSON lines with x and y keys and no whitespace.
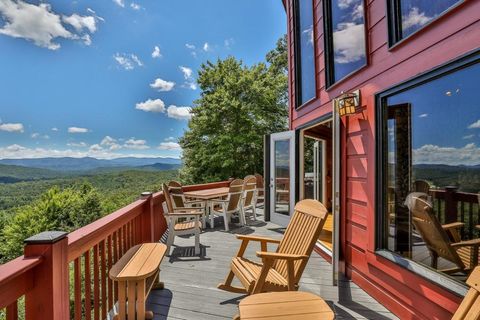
{"x":437,"y":278}
{"x":297,"y":55}
{"x":394,"y":16}
{"x":328,"y":46}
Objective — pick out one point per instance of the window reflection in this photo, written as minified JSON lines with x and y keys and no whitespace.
{"x":348,"y":37}
{"x":305,"y":64}
{"x":433,"y":173}
{"x":282,"y":177}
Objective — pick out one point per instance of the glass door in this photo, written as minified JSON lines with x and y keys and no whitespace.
{"x":282,"y":177}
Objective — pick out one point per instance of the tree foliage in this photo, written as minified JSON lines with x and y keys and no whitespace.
{"x":238,"y":105}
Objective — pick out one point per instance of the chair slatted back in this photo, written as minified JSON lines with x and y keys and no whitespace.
{"x":301,"y":234}
{"x":176,"y":193}
{"x":470,"y":306}
{"x":435,"y":237}
{"x":168,"y":198}
{"x":421,"y":186}
{"x":260,"y":183}
{"x":234,"y":194}
{"x":249,"y":189}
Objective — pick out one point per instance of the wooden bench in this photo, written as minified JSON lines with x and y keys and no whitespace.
{"x":137,"y":272}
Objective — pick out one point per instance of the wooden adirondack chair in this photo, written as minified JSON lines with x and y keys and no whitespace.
{"x":180,"y":202}
{"x":280,"y":270}
{"x":191,"y":225}
{"x":464,"y":254}
{"x":231,"y":205}
{"x":260,"y":189}
{"x":249,"y":197}
{"x":470,"y":306}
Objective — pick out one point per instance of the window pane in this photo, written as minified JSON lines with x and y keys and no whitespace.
{"x":282,"y":177}
{"x":348,"y":25}
{"x":306,"y":54}
{"x":416,"y":13}
{"x":433,"y":171}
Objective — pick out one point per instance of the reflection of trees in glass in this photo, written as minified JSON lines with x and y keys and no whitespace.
{"x":306,"y":64}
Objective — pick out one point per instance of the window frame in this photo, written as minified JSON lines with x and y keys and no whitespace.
{"x":394,"y":22}
{"x":297,"y":55}
{"x":329,"y":48}
{"x":381,"y":132}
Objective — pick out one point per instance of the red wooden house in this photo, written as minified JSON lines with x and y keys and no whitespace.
{"x":409,"y":69}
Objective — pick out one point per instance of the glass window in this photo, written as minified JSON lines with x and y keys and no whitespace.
{"x":282,"y":177}
{"x":431,"y":163}
{"x":305,"y":53}
{"x":411,"y":15}
{"x":345,"y":38}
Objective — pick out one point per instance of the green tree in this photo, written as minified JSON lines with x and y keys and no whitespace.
{"x":64,"y":210}
{"x":237,"y":107}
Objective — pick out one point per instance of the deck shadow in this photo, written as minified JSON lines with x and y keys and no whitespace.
{"x":188,"y":254}
{"x":159,"y":302}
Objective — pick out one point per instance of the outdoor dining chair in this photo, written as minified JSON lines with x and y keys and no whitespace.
{"x":180,"y":202}
{"x":260,"y":189}
{"x":231,"y":205}
{"x":249,"y":197}
{"x":190,"y":225}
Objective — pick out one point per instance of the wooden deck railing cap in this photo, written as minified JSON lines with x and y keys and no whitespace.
{"x":146,"y":194}
{"x":46,"y":237}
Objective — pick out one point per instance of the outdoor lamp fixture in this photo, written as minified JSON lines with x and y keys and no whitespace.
{"x":347,"y":103}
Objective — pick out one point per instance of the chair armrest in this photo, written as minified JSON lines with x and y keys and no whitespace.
{"x":453,"y":225}
{"x":467,"y":243}
{"x":200,"y":202}
{"x":186,"y":212}
{"x":255,"y":238}
{"x":282,"y":256}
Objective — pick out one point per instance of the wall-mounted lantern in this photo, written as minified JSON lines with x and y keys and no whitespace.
{"x":347,"y":103}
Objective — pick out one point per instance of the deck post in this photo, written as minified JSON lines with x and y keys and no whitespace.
{"x":49,"y":298}
{"x":148,"y":218}
{"x":450,"y":204}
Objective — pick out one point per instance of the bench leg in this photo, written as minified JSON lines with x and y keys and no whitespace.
{"x":122,"y":299}
{"x":197,"y":241}
{"x":140,"y":300}
{"x":131,"y":292}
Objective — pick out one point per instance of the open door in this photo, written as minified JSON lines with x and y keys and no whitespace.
{"x":282,"y":177}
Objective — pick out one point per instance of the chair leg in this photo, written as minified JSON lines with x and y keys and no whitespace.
{"x":197,"y":241}
{"x":254,"y":212}
{"x":170,"y":240}
{"x":227,"y":285}
{"x":226,"y":221}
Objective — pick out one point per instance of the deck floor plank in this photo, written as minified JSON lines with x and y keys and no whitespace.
{"x":190,"y":281}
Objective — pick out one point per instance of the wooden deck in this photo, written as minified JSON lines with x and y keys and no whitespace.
{"x":190,"y":281}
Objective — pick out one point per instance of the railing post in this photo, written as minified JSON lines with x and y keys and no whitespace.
{"x":450,"y":204}
{"x":49,"y":298}
{"x":148,"y":218}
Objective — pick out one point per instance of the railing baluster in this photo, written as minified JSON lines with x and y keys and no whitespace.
{"x":103,"y":279}
{"x":115,"y":259}
{"x":96,"y":285}
{"x":470,"y":221}
{"x":88,"y":293}
{"x":124,"y":232}
{"x":77,"y":289}
{"x":110,"y":264}
{"x":12,"y":311}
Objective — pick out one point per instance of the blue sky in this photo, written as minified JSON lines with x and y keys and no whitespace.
{"x":116,"y":77}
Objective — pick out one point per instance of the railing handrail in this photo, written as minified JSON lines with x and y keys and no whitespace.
{"x":84,"y":238}
{"x":16,"y":278}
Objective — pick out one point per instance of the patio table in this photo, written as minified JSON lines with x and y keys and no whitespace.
{"x":291,"y":305}
{"x":208,"y":195}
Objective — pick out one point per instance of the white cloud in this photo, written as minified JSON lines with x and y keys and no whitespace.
{"x":95,"y":148}
{"x":120,"y":3}
{"x":423,"y":115}
{"x":77,"y":130}
{"x":229,"y":43}
{"x":470,"y":136}
{"x":170,"y":139}
{"x":110,"y":143}
{"x":169,"y":146}
{"x":179,"y":113}
{"x":135,"y":6}
{"x":433,"y":154}
{"x":127,"y":61}
{"x":39,"y":24}
{"x":156,"y":52}
{"x":35,"y":135}
{"x":475,"y":125}
{"x":136,"y":144}
{"x":12,"y":127}
{"x":414,"y":18}
{"x":192,"y":85}
{"x":349,"y":42}
{"x":150,"y":105}
{"x":79,"y":22}
{"x":187,"y":72}
{"x":77,"y":144}
{"x":190,"y":46}
{"x":206,"y":47}
{"x":54,"y":129}
{"x":162,"y":85}
{"x":344,"y":4}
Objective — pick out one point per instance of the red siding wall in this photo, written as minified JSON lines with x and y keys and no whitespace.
{"x":454,"y":34}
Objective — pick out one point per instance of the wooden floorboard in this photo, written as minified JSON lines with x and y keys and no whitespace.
{"x":191,"y":282}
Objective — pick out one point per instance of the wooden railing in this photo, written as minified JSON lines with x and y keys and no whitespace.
{"x":65,"y":276}
{"x":451,"y":206}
